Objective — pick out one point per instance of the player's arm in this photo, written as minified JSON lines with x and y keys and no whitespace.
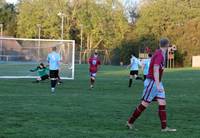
{"x":47,"y":68}
{"x":59,"y":60}
{"x":130,"y":64}
{"x":139,"y":63}
{"x":156,"y":77}
{"x":143,"y":64}
{"x":48,"y":60}
{"x":33,"y":70}
{"x":89,"y":62}
{"x":99,"y":65}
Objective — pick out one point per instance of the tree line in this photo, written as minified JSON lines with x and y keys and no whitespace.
{"x":179,"y":20}
{"x":109,"y":24}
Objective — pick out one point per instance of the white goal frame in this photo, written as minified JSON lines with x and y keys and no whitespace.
{"x":44,"y":40}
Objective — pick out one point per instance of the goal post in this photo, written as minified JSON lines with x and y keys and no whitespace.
{"x":19,"y":55}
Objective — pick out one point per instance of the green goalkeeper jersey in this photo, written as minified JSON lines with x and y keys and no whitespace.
{"x":41,"y":71}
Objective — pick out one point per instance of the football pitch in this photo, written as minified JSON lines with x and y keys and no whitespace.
{"x":28,"y":110}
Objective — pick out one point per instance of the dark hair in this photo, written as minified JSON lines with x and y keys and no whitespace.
{"x":133,"y":54}
{"x":41,"y":64}
{"x":163,"y":42}
{"x":96,"y":53}
{"x":54,"y":48}
{"x":149,"y":55}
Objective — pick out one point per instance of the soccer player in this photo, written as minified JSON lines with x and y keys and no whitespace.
{"x":59,"y":79}
{"x":145,"y":65}
{"x":54,"y":61}
{"x":94,"y":64}
{"x":153,"y":88}
{"x":134,"y":67}
{"x":42,"y":72}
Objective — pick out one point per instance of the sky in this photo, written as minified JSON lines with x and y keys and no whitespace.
{"x":12,"y":1}
{"x":15,"y":1}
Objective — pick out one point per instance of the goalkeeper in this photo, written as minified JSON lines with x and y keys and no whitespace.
{"x":42,"y":72}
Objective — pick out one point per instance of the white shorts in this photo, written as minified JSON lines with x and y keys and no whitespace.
{"x":92,"y":74}
{"x":150,"y":92}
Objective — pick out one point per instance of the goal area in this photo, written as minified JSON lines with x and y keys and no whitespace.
{"x":18,"y":56}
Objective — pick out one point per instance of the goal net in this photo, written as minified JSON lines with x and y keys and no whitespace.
{"x":18,"y":56}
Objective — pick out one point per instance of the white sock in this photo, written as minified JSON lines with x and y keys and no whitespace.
{"x":52,"y":89}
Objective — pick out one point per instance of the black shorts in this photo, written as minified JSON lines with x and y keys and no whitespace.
{"x":45,"y":77}
{"x":145,"y":76}
{"x":134,"y":72}
{"x":53,"y":73}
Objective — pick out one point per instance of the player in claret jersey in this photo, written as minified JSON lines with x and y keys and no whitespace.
{"x":153,"y":88}
{"x":94,"y":64}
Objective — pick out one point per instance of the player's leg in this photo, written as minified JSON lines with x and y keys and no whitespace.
{"x":92,"y":79}
{"x":38,"y":79}
{"x":130,"y":79}
{"x":163,"y":116}
{"x":57,"y":76}
{"x":162,"y":111}
{"x":136,"y":75}
{"x":146,"y":99}
{"x":137,"y":112}
{"x":59,"y":79}
{"x":53,"y":77}
{"x":45,"y":77}
{"x":145,"y":76}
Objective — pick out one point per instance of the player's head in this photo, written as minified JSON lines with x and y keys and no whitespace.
{"x":96,"y":54}
{"x":54,"y":49}
{"x":149,"y":55}
{"x":164,"y":43}
{"x":133,"y":55}
{"x":42,"y":65}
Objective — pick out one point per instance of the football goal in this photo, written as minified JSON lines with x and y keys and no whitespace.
{"x":18,"y":56}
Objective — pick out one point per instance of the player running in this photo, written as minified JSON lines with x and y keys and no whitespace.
{"x":42,"y":72}
{"x":145,"y":65}
{"x":153,"y":88}
{"x":134,"y":67}
{"x":94,"y":64}
{"x":54,"y":61}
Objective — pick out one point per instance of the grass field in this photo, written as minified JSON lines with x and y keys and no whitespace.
{"x":28,"y":110}
{"x":23,"y":69}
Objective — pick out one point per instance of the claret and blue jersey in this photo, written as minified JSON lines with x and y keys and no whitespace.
{"x":94,"y":63}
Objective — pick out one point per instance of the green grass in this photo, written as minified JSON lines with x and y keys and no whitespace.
{"x":23,"y":69}
{"x":29,"y":110}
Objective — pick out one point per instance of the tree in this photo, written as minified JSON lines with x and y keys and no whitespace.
{"x":8,"y":18}
{"x":101,"y":22}
{"x":175,"y":19}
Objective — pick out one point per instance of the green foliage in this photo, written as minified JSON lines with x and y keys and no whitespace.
{"x":99,"y":21}
{"x":35,"y":12}
{"x":105,"y":25}
{"x":8,"y":18}
{"x":176,"y":19}
{"x":2,"y":3}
